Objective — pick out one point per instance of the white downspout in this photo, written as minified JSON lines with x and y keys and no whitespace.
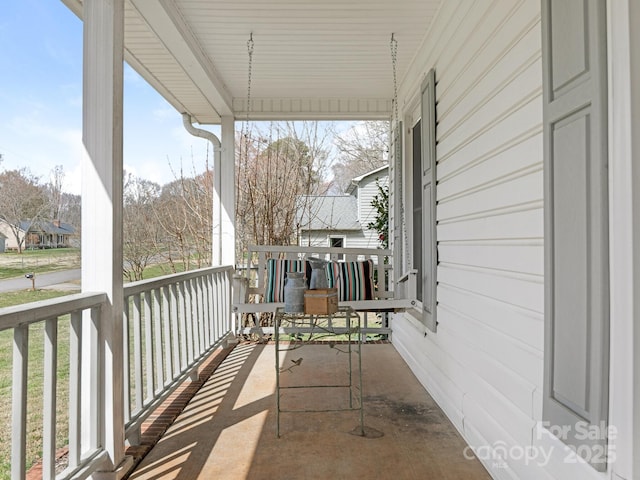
{"x":216,"y":239}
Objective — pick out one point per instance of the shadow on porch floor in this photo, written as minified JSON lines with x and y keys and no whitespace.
{"x":228,"y":430}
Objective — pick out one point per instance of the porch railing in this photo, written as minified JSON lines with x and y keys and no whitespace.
{"x":170,"y":325}
{"x":83,"y":438}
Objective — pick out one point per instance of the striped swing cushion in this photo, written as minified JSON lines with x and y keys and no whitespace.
{"x":354,"y":280}
{"x":276,"y":274}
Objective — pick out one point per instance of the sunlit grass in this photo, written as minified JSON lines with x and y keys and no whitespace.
{"x":13,"y":264}
{"x":35,"y":381}
{"x":161,"y":269}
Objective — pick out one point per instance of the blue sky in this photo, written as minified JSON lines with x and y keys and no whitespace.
{"x":41,"y":102}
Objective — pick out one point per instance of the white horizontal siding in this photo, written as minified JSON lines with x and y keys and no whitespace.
{"x":518,"y":291}
{"x":509,"y":361}
{"x":520,"y":257}
{"x":430,"y":370}
{"x":367,"y":190}
{"x":484,"y":365}
{"x":364,"y":240}
{"x":509,"y":194}
{"x":353,"y":239}
{"x":520,"y":324}
{"x":516,"y":222}
{"x":513,"y":158}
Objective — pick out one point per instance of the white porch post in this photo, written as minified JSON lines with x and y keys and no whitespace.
{"x":102,"y":216}
{"x":217,"y":241}
{"x":228,"y":192}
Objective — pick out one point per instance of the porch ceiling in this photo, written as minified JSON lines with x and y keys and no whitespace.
{"x":312,"y":59}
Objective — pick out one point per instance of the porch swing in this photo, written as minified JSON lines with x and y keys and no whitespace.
{"x":260,"y":293}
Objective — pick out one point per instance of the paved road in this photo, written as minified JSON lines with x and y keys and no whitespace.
{"x":42,"y":280}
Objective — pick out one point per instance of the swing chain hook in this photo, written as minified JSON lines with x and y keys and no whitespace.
{"x":250,"y":52}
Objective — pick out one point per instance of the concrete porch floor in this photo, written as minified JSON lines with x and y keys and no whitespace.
{"x":228,"y":430}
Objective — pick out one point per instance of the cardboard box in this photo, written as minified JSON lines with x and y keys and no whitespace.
{"x":322,"y":301}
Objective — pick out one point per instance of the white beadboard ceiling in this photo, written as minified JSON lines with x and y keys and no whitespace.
{"x":313,"y":59}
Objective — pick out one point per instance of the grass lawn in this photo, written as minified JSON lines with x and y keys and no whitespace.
{"x":14,"y":264}
{"x":35,"y":381}
{"x":161,"y":269}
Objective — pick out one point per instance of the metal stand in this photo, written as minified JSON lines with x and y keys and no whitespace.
{"x":305,"y":328}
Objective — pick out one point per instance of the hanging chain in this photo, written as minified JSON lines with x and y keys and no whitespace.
{"x":394,"y":63}
{"x":250,"y":52}
{"x":245,"y":127}
{"x":244,"y":134}
{"x":393,"y":46}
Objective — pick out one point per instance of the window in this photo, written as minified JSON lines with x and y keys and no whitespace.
{"x":417,"y":205}
{"x":337,"y":242}
{"x":423,"y":202}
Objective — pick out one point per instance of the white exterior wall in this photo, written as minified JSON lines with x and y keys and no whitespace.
{"x":10,"y":242}
{"x":484,"y":366}
{"x":352,"y":238}
{"x":367,"y":190}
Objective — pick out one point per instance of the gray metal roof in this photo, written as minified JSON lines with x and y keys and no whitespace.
{"x":48,"y":227}
{"x":317,"y":212}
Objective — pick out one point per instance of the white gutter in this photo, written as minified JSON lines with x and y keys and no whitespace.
{"x":216,"y":239}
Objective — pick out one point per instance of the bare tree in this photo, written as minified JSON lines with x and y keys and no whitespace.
{"x":56,"y":193}
{"x":274,"y":169}
{"x":71,"y":213}
{"x":185,"y":214}
{"x":141,"y":230}
{"x":63,"y":206}
{"x":23,"y":202}
{"x":362,"y":148}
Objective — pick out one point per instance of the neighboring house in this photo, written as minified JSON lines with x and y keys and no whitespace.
{"x":341,"y":221}
{"x":3,"y":240}
{"x":41,"y":234}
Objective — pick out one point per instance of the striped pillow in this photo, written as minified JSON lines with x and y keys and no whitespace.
{"x":354,"y":280}
{"x":276,"y":274}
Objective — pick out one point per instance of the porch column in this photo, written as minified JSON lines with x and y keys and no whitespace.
{"x":217,"y":243}
{"x":228,"y":192}
{"x":102,"y":223}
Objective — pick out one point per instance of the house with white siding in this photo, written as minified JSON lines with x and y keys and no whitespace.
{"x":341,"y":220}
{"x":514,"y":196}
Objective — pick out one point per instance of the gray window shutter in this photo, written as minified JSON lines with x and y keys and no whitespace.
{"x":429,"y":240}
{"x":576,"y":224}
